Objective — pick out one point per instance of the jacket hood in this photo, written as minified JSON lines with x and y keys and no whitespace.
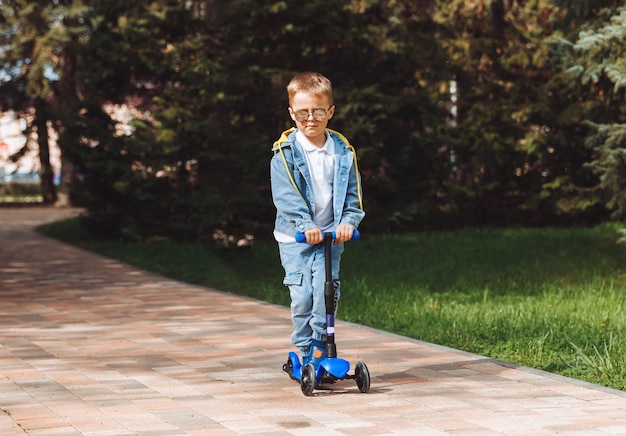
{"x":284,"y":137}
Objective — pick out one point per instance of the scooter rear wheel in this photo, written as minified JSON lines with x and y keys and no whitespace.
{"x":362,"y":376}
{"x":307,"y":384}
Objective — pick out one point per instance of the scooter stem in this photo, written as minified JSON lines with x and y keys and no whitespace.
{"x":329,"y":297}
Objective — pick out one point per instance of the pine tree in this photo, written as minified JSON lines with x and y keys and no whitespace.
{"x":593,"y":57}
{"x":602,"y":65}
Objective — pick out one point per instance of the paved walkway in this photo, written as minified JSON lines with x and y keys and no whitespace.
{"x":90,"y":346}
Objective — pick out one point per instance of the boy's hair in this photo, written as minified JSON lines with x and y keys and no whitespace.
{"x":310,"y":83}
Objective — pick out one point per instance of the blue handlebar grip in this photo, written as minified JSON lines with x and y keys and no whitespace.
{"x":355,"y":235}
{"x":300,"y":237}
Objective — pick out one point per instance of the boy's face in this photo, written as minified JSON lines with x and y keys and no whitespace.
{"x":312,"y":128}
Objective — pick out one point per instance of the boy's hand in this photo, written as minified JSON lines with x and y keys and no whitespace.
{"x":343,"y":232}
{"x":314,"y":236}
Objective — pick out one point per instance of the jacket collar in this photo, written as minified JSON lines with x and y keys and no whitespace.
{"x":329,"y":145}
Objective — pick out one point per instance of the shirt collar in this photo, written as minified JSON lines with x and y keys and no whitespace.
{"x":329,"y":145}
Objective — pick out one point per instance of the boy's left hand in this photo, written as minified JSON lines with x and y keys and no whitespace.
{"x":343,"y":232}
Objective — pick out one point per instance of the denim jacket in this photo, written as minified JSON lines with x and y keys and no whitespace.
{"x":294,"y":208}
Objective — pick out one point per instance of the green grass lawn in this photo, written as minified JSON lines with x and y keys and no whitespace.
{"x":551,"y":299}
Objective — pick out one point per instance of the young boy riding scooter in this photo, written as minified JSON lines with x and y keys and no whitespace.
{"x":316,"y":188}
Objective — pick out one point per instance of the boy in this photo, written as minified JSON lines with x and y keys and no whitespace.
{"x":315,"y":188}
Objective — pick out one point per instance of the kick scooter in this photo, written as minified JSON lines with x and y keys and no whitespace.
{"x":331,"y":368}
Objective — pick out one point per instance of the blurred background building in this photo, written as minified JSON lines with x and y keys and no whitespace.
{"x":13,"y":141}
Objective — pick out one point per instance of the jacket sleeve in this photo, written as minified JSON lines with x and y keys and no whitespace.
{"x":292,"y":210}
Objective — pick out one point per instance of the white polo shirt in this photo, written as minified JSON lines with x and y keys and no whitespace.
{"x":321,"y":166}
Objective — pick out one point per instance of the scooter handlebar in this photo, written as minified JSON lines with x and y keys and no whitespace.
{"x":301,"y":237}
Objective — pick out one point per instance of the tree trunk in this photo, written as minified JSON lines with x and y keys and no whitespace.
{"x":67,"y":101}
{"x":46,"y":174}
{"x":497,"y":29}
{"x":67,"y":177}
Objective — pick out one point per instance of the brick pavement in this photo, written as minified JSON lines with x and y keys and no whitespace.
{"x":89,"y":346}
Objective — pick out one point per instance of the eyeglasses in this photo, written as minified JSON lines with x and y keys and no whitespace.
{"x":318,"y":114}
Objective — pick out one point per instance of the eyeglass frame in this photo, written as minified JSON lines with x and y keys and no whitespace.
{"x":311,"y":114}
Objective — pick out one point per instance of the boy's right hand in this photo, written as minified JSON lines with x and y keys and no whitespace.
{"x":314,"y":236}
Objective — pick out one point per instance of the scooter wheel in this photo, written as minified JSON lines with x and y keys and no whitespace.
{"x":362,"y":376}
{"x":307,"y":383}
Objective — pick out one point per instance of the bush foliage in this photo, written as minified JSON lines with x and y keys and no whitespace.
{"x":463,"y":113}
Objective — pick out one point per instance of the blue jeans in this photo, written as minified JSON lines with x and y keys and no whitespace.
{"x":305,"y":276}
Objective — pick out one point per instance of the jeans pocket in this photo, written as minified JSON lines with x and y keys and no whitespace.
{"x":293,"y":279}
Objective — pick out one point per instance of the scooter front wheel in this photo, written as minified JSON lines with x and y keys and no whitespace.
{"x":362,"y":375}
{"x":288,"y":367}
{"x":307,"y":383}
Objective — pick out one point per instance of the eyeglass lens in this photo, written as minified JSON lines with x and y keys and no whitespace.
{"x":318,"y":115}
